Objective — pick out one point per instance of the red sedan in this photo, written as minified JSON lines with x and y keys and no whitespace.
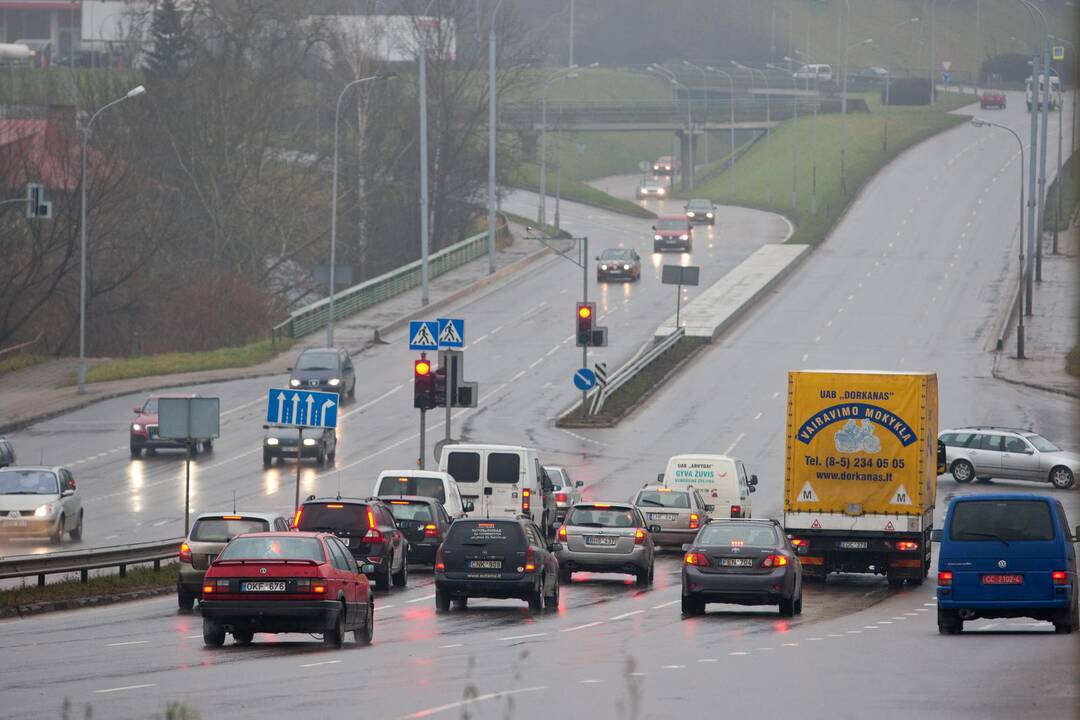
{"x":280,"y":582}
{"x":992,"y":98}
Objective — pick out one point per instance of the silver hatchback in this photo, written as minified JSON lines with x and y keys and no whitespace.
{"x":674,"y":515}
{"x":993,"y":452}
{"x":606,"y":537}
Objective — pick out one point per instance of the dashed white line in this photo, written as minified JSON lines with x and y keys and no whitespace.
{"x":125,"y":687}
{"x":590,"y":681}
{"x":674,"y":667}
{"x":519,"y":375}
{"x":453,"y":645}
{"x":523,"y":637}
{"x":536,"y":362}
{"x":129,"y":642}
{"x":626,"y":615}
{"x":581,"y":627}
{"x":791,"y":644}
{"x":734,"y":443}
{"x":383,"y":607}
{"x":667,"y":604}
{"x":421,"y":599}
{"x":776,"y":394}
{"x":805,"y":355}
{"x":317,"y":664}
{"x":854,"y":632}
{"x":758,"y":416}
{"x":708,"y":660}
{"x":738,"y":652}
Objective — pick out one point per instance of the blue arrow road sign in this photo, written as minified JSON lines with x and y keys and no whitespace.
{"x":305,"y":408}
{"x":584,"y":379}
{"x":451,"y":333}
{"x":423,"y":335}
{"x":945,"y":77}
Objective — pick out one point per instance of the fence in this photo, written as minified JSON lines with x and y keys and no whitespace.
{"x":83,"y":561}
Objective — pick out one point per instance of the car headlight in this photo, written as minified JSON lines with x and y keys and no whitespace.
{"x":44,"y":510}
{"x":294,"y":383}
{"x":657,"y":237}
{"x":136,"y":427}
{"x":684,"y":237}
{"x":660,"y":191}
{"x":308,"y":442}
{"x":625,"y":267}
{"x":335,"y":381}
{"x":272,"y":441}
{"x":603,"y":267}
{"x":708,"y":215}
{"x":689,"y":214}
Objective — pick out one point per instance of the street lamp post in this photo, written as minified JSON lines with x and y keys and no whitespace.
{"x":768,"y":126}
{"x":813,"y":141}
{"x":670,"y":77}
{"x":705,"y":87}
{"x":888,"y":83}
{"x":131,"y":95}
{"x":541,"y":212}
{"x":794,"y":136}
{"x":731,"y":104}
{"x":843,"y":109}
{"x":491,"y":139}
{"x":334,"y":192}
{"x":1020,"y":289}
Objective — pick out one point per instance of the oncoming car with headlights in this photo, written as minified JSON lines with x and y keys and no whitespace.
{"x":40,"y":501}
{"x":281,"y":441}
{"x":651,"y":187}
{"x":618,"y":264}
{"x":326,"y":370}
{"x":673,"y":232}
{"x":701,"y":211}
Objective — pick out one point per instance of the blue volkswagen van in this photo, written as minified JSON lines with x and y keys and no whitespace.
{"x":1003,"y":556}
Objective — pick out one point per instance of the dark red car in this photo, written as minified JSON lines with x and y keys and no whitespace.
{"x":144,"y":429}
{"x":673,"y":232}
{"x":992,"y":98}
{"x":281,"y":582}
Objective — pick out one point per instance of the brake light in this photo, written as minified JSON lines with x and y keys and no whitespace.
{"x":696,"y":559}
{"x":560,"y":497}
{"x":663,"y":489}
{"x":562,"y":533}
{"x":334,"y":506}
{"x":431,"y":530}
{"x":639,"y":536}
{"x":399,"y":502}
{"x":439,"y":564}
{"x":530,"y":564}
{"x":373,"y":535}
{"x":944,"y":577}
{"x":602,"y":505}
{"x":525,"y":495}
{"x":736,"y":511}
{"x":694,"y":521}
{"x":907,"y":545}
{"x":231,"y":517}
{"x":207,"y":589}
{"x":215,"y":586}
{"x":799,"y":543}
{"x":296,"y":518}
{"x":185,"y":553}
{"x":307,"y":585}
{"x":1060,"y":577}
{"x":774,"y":561}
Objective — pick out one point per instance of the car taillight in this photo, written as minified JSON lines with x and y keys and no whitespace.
{"x":774,"y":561}
{"x":639,"y":536}
{"x":185,"y":553}
{"x":1060,"y":577}
{"x":431,"y":531}
{"x":211,"y":586}
{"x":736,"y":511}
{"x":799,"y":543}
{"x":562,"y":533}
{"x":907,"y":545}
{"x":530,"y":563}
{"x":560,"y":497}
{"x":526,"y":495}
{"x":439,"y":563}
{"x":296,"y":517}
{"x":373,"y":535}
{"x":694,"y":521}
{"x":696,"y":559}
{"x":944,"y":577}
{"x":307,"y":585}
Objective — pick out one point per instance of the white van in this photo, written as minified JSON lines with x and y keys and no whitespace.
{"x":1055,"y":93}
{"x":722,"y":481}
{"x":502,"y":481}
{"x":425,"y":483}
{"x":814,"y":73}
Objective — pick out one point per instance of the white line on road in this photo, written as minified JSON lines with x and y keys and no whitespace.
{"x":815,"y":638}
{"x":581,"y":627}
{"x":495,"y":330}
{"x":776,"y":394}
{"x":383,"y":607}
{"x":519,"y":375}
{"x":626,"y":615}
{"x":673,"y":667}
{"x":192,"y":637}
{"x":791,"y":644}
{"x":523,"y":637}
{"x":536,"y":362}
{"x":130,"y":642}
{"x":854,"y":632}
{"x":552,"y":351}
{"x":421,"y":599}
{"x":317,"y":664}
{"x":734,"y":443}
{"x":758,"y":416}
{"x":738,"y":652}
{"x":805,"y":355}
{"x":159,"y":523}
{"x":705,"y":660}
{"x":667,"y":604}
{"x":126,"y":687}
{"x":428,"y":712}
{"x":590,"y":681}
{"x":447,"y":647}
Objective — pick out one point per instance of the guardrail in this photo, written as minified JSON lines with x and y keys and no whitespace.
{"x":627,"y":372}
{"x":83,"y":561}
{"x":22,"y":347}
{"x":313,"y":317}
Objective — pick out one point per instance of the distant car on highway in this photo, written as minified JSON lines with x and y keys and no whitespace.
{"x":992,"y":98}
{"x":496,"y":558}
{"x":618,"y":264}
{"x":741,"y":562}
{"x":208,"y":536}
{"x":423,"y":521}
{"x":326,"y":370}
{"x":701,"y":211}
{"x":1005,"y":556}
{"x":144,"y":429}
{"x":607,"y":538}
{"x":1008,"y":454}
{"x":814,"y":72}
{"x":666,"y":165}
{"x":280,"y":441}
{"x":567,"y":491}
{"x":674,"y":515}
{"x":40,"y":501}
{"x":673,"y":232}
{"x":651,"y":187}
{"x":7,"y":453}
{"x":283,"y":582}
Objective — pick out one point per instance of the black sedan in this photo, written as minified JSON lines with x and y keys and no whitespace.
{"x":701,"y":211}
{"x":326,"y":370}
{"x":422,"y":520}
{"x":618,"y":264}
{"x":743,"y":562}
{"x":281,"y":442}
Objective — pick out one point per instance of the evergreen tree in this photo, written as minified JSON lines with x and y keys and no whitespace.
{"x":172,"y":43}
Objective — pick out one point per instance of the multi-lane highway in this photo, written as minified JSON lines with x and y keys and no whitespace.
{"x":914,"y":277}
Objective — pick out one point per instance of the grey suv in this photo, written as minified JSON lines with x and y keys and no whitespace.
{"x":995,"y":452}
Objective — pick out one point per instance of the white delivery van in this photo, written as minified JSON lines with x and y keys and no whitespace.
{"x":722,"y":481}
{"x":1055,"y":93}
{"x":424,"y":483}
{"x":502,"y":481}
{"x":814,"y":73}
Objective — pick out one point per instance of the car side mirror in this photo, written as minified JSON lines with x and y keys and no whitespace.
{"x":68,"y":492}
{"x":936,"y":535}
{"x":136,"y":409}
{"x":686,"y":547}
{"x":579,"y":483}
{"x":555,"y":547}
{"x":660,"y":478}
{"x":1029,"y":451}
{"x":654,"y":528}
{"x":710,"y":508}
{"x":654,"y":228}
{"x":367,"y":569}
{"x":468,"y":506}
{"x":753,"y":480}
{"x":597,"y":257}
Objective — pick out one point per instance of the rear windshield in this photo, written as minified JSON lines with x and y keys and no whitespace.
{"x":223,"y":530}
{"x":28,"y":482}
{"x":334,"y":517}
{"x":736,"y":533}
{"x":405,"y":510}
{"x":1006,"y":520}
{"x":464,"y":467}
{"x":601,"y":517}
{"x":503,"y":467}
{"x":274,"y":547}
{"x":423,"y":486}
{"x":493,"y":535}
{"x":655,"y":498}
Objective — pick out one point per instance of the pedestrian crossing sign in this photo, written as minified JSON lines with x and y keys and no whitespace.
{"x":451,"y":333}
{"x":423,"y":334}
{"x":1059,"y":52}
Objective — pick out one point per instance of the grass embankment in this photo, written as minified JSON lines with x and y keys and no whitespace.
{"x":1070,"y":196}
{"x":139,"y":578}
{"x":907,"y":126}
{"x":172,"y":363}
{"x":18,"y":362}
{"x":1072,"y":362}
{"x":528,"y":177}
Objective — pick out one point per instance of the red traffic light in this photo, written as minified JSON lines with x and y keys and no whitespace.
{"x":422,"y":367}
{"x":584,"y":312}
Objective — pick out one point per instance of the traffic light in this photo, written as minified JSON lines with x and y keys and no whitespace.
{"x":439,"y":386}
{"x":423,"y":384}
{"x":586,"y":313}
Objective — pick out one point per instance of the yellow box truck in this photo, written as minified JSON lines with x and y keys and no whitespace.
{"x":861,"y":468}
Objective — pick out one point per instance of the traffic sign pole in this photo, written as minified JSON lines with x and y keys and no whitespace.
{"x":585,"y":299}
{"x":299,"y":454}
{"x":423,"y":432}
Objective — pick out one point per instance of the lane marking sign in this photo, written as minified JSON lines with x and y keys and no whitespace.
{"x":422,"y":334}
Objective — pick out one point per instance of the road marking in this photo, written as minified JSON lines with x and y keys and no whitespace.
{"x":626,"y":615}
{"x":421,"y":599}
{"x":667,"y":604}
{"x":911,"y":614}
{"x":159,"y":523}
{"x":317,"y":664}
{"x":791,"y":644}
{"x":498,"y":329}
{"x":854,"y":632}
{"x":870,"y":627}
{"x":523,"y":637}
{"x":519,"y":375}
{"x":738,"y":652}
{"x":817,"y":339}
{"x":383,"y":607}
{"x":776,"y":394}
{"x":899,"y":617}
{"x":735,"y":442}
{"x":552,"y":351}
{"x":884,"y":622}
{"x":581,"y":627}
{"x":765,"y":649}
{"x":482,"y":338}
{"x":705,"y":660}
{"x":933,"y":604}
{"x":828,"y":324}
{"x":427,"y":712}
{"x":814,"y":638}
{"x":192,"y":637}
{"x":921,"y":610}
{"x":835,"y":635}
{"x":131,"y":642}
{"x":758,"y":416}
{"x":536,"y":362}
{"x":126,"y":687}
{"x":590,"y":681}
{"x":454,"y":645}
{"x":805,"y":355}
{"x":674,"y":667}
{"x":369,"y":403}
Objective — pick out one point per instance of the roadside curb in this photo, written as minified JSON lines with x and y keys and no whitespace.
{"x":998,"y":375}
{"x":20,"y":611}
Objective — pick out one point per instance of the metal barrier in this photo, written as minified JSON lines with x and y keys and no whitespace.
{"x":22,"y":347}
{"x":628,"y":371}
{"x":83,"y":561}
